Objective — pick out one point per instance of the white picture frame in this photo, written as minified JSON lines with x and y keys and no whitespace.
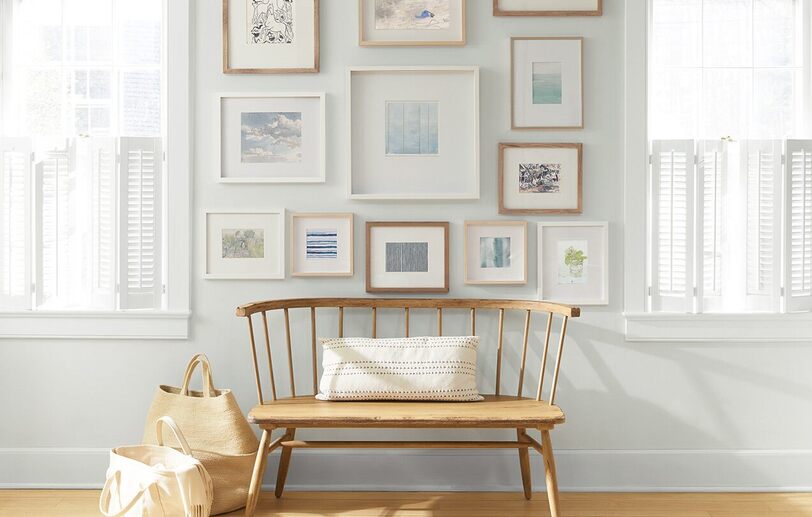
{"x":495,"y":252}
{"x":248,"y":153}
{"x":220,"y":264}
{"x":445,"y":165}
{"x":430,"y":27}
{"x":547,"y":82}
{"x":564,"y":282}
{"x":321,"y":244}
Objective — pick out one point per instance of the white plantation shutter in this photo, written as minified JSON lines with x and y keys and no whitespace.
{"x":15,"y":224}
{"x":140,"y":280}
{"x":760,"y":164}
{"x":672,"y":167}
{"x":711,"y":172}
{"x":103,"y":167}
{"x":798,"y":224}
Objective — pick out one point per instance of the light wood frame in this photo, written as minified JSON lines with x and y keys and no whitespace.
{"x":540,"y":211}
{"x":326,"y":215}
{"x":497,"y":11}
{"x":204,"y":238}
{"x":513,"y":41}
{"x":363,"y":42}
{"x":604,"y":226}
{"x":227,"y":69}
{"x":322,"y":171}
{"x":521,"y":224}
{"x":382,"y":414}
{"x":406,"y":224}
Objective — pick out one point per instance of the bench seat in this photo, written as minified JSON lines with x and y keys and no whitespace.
{"x":496,"y":411}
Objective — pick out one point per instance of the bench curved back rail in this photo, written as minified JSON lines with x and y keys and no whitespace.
{"x":528,"y":307}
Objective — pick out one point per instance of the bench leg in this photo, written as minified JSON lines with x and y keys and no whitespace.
{"x":284,"y":463}
{"x":255,"y":487}
{"x":524,"y":465}
{"x":549,"y":471}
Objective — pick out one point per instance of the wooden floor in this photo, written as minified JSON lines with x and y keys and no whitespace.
{"x":70,"y":503}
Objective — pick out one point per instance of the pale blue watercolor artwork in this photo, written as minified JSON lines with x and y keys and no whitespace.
{"x":547,"y":83}
{"x":271,"y":137}
{"x":412,"y":128}
{"x":494,"y":252}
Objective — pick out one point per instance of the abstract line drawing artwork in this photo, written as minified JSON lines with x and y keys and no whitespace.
{"x":271,"y":137}
{"x":243,"y":243}
{"x":494,"y":252}
{"x":412,"y":128}
{"x":269,"y":21}
{"x":407,"y":257}
{"x":572,"y":262}
{"x":321,"y":244}
{"x":412,"y":14}
{"x":547,"y":83}
{"x":539,"y":178}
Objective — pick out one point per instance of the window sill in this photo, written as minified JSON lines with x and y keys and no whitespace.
{"x":718,"y":327}
{"x":94,"y":325}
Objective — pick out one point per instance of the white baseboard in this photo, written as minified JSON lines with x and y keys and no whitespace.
{"x":453,"y":470}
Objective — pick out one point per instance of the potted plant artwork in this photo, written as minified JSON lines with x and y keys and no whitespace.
{"x":574,"y":259}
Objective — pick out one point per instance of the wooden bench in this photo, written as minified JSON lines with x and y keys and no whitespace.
{"x":496,"y":411}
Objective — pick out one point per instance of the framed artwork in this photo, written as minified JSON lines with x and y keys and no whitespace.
{"x":573,"y":262}
{"x":404,"y":23}
{"x":537,"y":179}
{"x":495,"y":252}
{"x":407,"y":257}
{"x":547,"y":85}
{"x":271,"y":138}
{"x":244,"y":245}
{"x":547,"y":7}
{"x":321,"y":244}
{"x":414,"y":132}
{"x":270,"y":36}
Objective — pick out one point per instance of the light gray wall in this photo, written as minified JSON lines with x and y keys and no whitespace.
{"x":640,"y":415}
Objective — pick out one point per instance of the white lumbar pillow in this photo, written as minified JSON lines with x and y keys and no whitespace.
{"x":416,"y":368}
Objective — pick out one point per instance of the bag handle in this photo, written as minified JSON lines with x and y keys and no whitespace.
{"x":104,"y":498}
{"x":169,"y":422}
{"x":208,"y":383}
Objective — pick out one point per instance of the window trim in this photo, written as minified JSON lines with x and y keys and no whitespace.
{"x":639,"y":324}
{"x":173,"y":321}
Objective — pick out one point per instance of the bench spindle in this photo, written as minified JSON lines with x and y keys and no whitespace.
{"x":558,"y":359}
{"x":374,"y":322}
{"x":524,"y":353}
{"x":439,"y":321}
{"x":499,"y":350}
{"x":313,"y":350}
{"x":268,"y":353}
{"x":254,"y":358}
{"x":406,"y":309}
{"x":290,"y":353}
{"x":341,"y":322}
{"x":544,"y":354}
{"x":473,"y":321}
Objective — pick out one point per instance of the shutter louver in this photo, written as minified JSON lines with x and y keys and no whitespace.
{"x":15,"y":224}
{"x":798,"y":223}
{"x":140,"y":280}
{"x":761,"y":166}
{"x":672,"y":166}
{"x":710,"y":177}
{"x":103,"y":221}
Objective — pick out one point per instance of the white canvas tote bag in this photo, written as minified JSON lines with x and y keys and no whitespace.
{"x":156,"y":481}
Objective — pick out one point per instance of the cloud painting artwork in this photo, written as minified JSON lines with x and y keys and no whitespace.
{"x":271,"y":137}
{"x":412,"y":14}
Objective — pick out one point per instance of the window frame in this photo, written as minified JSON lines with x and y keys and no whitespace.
{"x":639,"y":324}
{"x":172,"y":322}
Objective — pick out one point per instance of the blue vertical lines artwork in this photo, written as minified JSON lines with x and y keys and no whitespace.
{"x":322,"y":244}
{"x":412,"y":128}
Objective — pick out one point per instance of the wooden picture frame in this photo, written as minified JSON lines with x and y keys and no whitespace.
{"x":504,"y":208}
{"x":365,"y":41}
{"x":498,"y":11}
{"x":575,"y":292}
{"x":372,"y":260}
{"x":227,"y":61}
{"x":347,"y":257}
{"x":577,"y":121}
{"x":214,"y":268}
{"x":468,"y":260}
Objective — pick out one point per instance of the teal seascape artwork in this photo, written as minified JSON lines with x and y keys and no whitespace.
{"x":547,"y":83}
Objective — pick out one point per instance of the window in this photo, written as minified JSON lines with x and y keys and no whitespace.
{"x":93,"y":116}
{"x":730,"y":197}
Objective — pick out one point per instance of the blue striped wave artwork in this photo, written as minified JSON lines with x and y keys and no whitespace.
{"x":322,"y":244}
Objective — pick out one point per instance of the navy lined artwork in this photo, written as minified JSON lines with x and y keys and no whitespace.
{"x":407,"y":257}
{"x":270,"y":21}
{"x":539,"y":178}
{"x":321,"y":244}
